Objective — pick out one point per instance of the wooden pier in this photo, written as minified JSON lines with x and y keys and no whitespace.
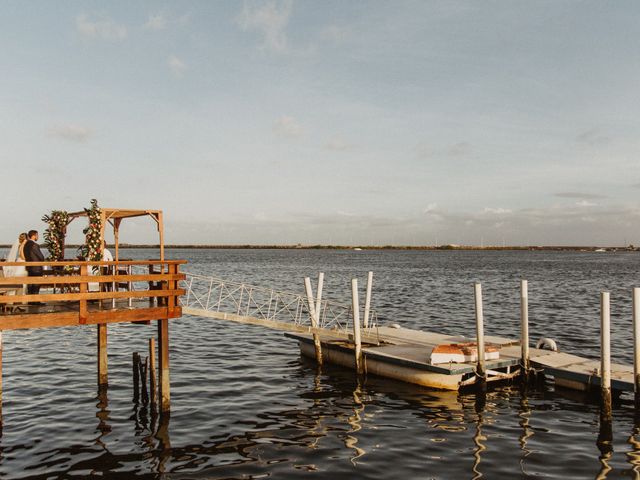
{"x":119,"y":291}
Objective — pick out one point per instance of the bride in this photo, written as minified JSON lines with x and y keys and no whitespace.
{"x":16,"y":254}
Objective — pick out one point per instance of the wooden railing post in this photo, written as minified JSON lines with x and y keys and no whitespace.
{"x":83,"y":301}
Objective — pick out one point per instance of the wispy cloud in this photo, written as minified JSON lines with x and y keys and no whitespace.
{"x":496,"y":211}
{"x":102,"y":27}
{"x":593,"y":138}
{"x":586,"y":203}
{"x":287,"y":126}
{"x":580,"y":195}
{"x":270,"y":19}
{"x":71,"y":133}
{"x":156,"y":22}
{"x":177,"y":66}
{"x":338,"y":145}
{"x":453,"y":151}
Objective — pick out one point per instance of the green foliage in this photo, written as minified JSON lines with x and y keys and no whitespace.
{"x":54,"y":235}
{"x":92,"y":249}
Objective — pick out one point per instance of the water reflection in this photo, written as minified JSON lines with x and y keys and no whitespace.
{"x":605,"y":445}
{"x":633,"y":457}
{"x":527,"y":431}
{"x":478,"y":438}
{"x":351,"y":440}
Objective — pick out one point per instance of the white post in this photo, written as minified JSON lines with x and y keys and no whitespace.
{"x":524,"y":320}
{"x":314,"y":322}
{"x":605,"y":352}
{"x":319,"y":297}
{"x":356,"y":325}
{"x":367,"y":302}
{"x":479,"y":328}
{"x":636,"y":344}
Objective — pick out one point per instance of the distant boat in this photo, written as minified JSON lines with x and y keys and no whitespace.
{"x":357,"y":249}
{"x":600,"y":250}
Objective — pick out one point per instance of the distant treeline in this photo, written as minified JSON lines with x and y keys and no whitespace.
{"x":365,"y":247}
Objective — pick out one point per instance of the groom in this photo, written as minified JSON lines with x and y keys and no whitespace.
{"x":32,"y":253}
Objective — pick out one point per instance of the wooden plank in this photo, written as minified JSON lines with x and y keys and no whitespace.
{"x":71,"y":279}
{"x":84,"y":296}
{"x":67,"y":319}
{"x":558,"y":360}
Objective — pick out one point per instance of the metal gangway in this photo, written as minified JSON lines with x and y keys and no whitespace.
{"x":212,"y":297}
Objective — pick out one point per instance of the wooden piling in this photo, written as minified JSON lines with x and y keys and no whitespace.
{"x":144,"y":367}
{"x":367,"y":301}
{"x":102,"y":355}
{"x":314,"y":320}
{"x":319,"y":296}
{"x":136,"y":376}
{"x":163,"y":361}
{"x":357,"y":342}
{"x":152,"y":373}
{"x":524,"y":324}
{"x":605,"y":353}
{"x":636,"y":345}
{"x":0,"y":379}
{"x":479,"y":329}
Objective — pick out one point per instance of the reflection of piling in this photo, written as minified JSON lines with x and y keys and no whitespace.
{"x":136,"y":378}
{"x":480,"y":332}
{"x":636,"y":345}
{"x":524,"y":326}
{"x":356,"y":326}
{"x":605,"y":353}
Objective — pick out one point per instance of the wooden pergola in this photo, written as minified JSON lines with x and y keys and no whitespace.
{"x":114,"y":217}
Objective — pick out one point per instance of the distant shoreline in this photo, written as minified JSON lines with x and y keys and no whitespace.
{"x":369,"y":247}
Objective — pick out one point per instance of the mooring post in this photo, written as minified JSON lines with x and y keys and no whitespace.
{"x":314,"y":320}
{"x":356,"y":326}
{"x":102,"y":355}
{"x":163,"y":353}
{"x":152,"y":373}
{"x":636,"y":345}
{"x":479,"y":329}
{"x":524,"y":324}
{"x":367,"y":301}
{"x":136,"y":373}
{"x":0,"y":380}
{"x":144,"y":366}
{"x":319,"y":296}
{"x":605,"y":353}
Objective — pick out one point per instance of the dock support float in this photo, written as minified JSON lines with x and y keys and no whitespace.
{"x":314,"y":317}
{"x":356,"y":326}
{"x":102,"y":356}
{"x":480,"y":334}
{"x":636,"y":345}
{"x":605,"y":353}
{"x":524,"y":325}
{"x":163,"y":354}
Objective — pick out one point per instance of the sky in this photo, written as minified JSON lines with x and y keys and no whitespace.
{"x":362,"y":122}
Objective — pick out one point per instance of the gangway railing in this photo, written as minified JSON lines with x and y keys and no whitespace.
{"x":218,"y":298}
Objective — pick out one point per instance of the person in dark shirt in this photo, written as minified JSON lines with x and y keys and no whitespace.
{"x":32,"y":253}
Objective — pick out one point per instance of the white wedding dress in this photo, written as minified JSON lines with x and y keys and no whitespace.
{"x":15,"y":271}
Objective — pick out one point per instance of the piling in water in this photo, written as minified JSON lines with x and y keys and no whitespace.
{"x":136,"y":378}
{"x":636,"y":345}
{"x":524,"y":325}
{"x":605,"y":353}
{"x":480,"y":331}
{"x":367,"y":301}
{"x":356,"y":326}
{"x":314,"y":319}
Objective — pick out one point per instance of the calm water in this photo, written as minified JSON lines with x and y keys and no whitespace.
{"x":244,"y":404}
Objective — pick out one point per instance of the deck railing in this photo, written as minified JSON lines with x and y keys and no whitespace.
{"x":76,"y":292}
{"x":214,"y":295}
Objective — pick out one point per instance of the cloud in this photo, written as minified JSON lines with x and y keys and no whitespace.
{"x":103,"y":28}
{"x":453,"y":151}
{"x":335,"y":34}
{"x":496,"y":211}
{"x":156,"y":22}
{"x":338,"y":145}
{"x":580,"y":195}
{"x":177,"y":66}
{"x":270,"y":19}
{"x":586,"y":203}
{"x":71,"y":133}
{"x":593,"y":138}
{"x":288,"y":127}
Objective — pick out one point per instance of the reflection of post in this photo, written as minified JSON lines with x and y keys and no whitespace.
{"x":164,"y":442}
{"x":478,"y":438}
{"x":350,"y":441}
{"x":103,"y":415}
{"x":527,"y":431}
{"x":604,"y":443}
{"x":633,"y":457}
